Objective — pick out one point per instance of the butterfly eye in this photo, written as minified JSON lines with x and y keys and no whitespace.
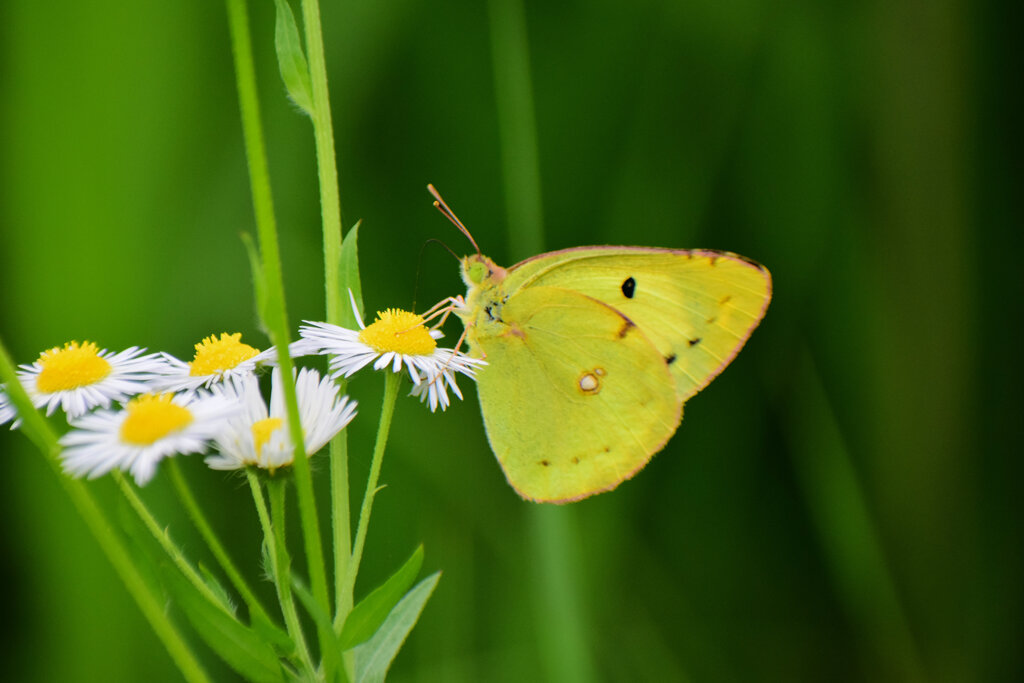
{"x":629,"y":288}
{"x":477,"y":272}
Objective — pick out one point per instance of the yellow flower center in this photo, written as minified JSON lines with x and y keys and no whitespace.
{"x":71,"y":367}
{"x":216,"y":355}
{"x":151,"y":417}
{"x":399,"y":331}
{"x":263,"y":430}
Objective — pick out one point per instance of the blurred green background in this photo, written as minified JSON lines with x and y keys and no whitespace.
{"x":842,"y":504}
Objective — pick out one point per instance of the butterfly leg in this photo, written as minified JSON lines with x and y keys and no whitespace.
{"x":443,"y":308}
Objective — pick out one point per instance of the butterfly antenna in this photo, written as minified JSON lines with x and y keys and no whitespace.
{"x":434,"y":240}
{"x":440,"y":205}
{"x":419,"y":266}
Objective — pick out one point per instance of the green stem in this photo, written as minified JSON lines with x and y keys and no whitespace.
{"x":274,"y":531}
{"x":261,"y":507}
{"x":327,"y":169}
{"x":150,"y":604}
{"x":341,"y":524}
{"x":330,"y":216}
{"x":277,"y":322}
{"x":392,"y":381}
{"x":195,"y":513}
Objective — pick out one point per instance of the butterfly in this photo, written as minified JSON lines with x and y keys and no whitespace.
{"x":592,"y":351}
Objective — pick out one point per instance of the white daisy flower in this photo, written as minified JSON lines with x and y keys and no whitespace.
{"x":80,"y":377}
{"x":434,"y":392}
{"x":149,"y":428}
{"x":215,"y":360}
{"x":261,"y":438}
{"x":397,"y":339}
{"x":7,"y":412}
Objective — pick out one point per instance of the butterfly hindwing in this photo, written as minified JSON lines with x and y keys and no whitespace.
{"x":575,"y":397}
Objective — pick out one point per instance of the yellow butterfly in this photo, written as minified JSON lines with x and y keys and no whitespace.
{"x":592,"y":351}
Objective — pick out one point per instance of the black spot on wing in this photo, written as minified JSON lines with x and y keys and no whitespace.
{"x":629,"y":288}
{"x":627,"y":326}
{"x":545,"y":463}
{"x":670,"y":359}
{"x":694,"y":342}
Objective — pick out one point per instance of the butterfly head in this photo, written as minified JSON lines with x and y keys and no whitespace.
{"x":478,"y":271}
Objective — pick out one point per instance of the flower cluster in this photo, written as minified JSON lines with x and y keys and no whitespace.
{"x":213,"y":404}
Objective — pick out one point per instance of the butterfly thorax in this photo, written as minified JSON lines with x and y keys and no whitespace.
{"x":485,"y":295}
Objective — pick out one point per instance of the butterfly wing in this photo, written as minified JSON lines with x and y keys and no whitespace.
{"x":575,"y":397}
{"x":697,"y":307}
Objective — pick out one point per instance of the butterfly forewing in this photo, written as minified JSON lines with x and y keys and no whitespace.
{"x":697,"y":307}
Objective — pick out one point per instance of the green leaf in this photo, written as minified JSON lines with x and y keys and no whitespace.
{"x":275,"y":635}
{"x":217,"y":588}
{"x":267,"y":564}
{"x":348,"y":275}
{"x":323,"y":621}
{"x":306,"y":598}
{"x":264,"y":627}
{"x":291,"y":59}
{"x":259,"y":286}
{"x":374,"y":657}
{"x":370,"y":613}
{"x":238,"y":645}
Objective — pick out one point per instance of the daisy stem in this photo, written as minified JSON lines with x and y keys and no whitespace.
{"x":164,"y":540}
{"x":259,"y":178}
{"x":392,"y":381}
{"x":327,"y":168}
{"x":195,"y":513}
{"x":150,"y":604}
{"x":274,"y":533}
{"x":330,"y":216}
{"x":341,"y":523}
{"x":308,"y":520}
